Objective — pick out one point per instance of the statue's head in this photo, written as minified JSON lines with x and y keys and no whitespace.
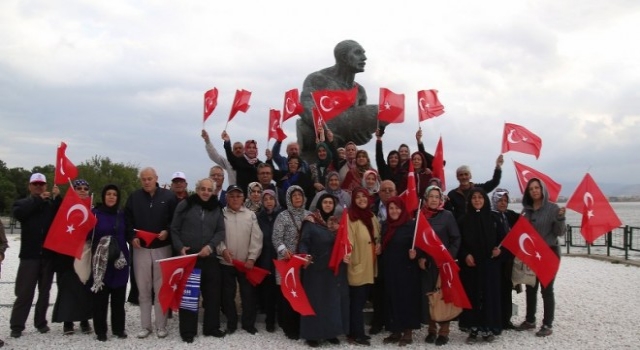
{"x":350,"y":54}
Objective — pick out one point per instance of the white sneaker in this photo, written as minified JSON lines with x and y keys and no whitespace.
{"x":143,"y":334}
{"x":162,"y":333}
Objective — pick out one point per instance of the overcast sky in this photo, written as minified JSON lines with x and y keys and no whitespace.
{"x":125,"y":79}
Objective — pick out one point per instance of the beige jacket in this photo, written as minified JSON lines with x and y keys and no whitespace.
{"x":243,"y":235}
{"x":362,"y":267}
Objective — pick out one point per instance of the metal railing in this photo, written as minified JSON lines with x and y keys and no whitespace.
{"x":622,"y":242}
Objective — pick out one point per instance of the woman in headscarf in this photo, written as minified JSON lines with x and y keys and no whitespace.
{"x":197,"y":228}
{"x":328,"y":293}
{"x":109,"y":276}
{"x":322,"y":167}
{"x":389,"y":169}
{"x":549,"y":221}
{"x":332,"y":187}
{"x":254,"y":197}
{"x":421,"y":173}
{"x":446,"y":228}
{"x":364,"y":235}
{"x":295,"y":176}
{"x":402,"y":274}
{"x":286,"y":236}
{"x":480,"y":268}
{"x":354,"y":177}
{"x":74,"y":300}
{"x":267,"y":291}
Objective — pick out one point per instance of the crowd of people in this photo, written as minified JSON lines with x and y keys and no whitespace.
{"x":275,"y":209}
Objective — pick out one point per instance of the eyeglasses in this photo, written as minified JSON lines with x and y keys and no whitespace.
{"x":81,"y":188}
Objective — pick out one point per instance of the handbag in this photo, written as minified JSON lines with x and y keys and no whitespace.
{"x":522,"y":274}
{"x":440,"y":310}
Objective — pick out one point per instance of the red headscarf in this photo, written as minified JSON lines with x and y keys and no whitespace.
{"x":392,"y":225}
{"x":365,"y":215}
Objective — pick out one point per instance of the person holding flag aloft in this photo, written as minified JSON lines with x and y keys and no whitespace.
{"x":548,"y":219}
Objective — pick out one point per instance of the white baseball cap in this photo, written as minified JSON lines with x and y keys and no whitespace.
{"x":179,"y":175}
{"x":37,"y":177}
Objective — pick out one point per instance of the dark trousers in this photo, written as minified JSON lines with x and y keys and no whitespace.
{"x":358,"y":298}
{"x":247,"y":297}
{"x":377,"y":299}
{"x":211,"y":292}
{"x":101,"y":306}
{"x":32,"y":273}
{"x":268,"y":293}
{"x":548,"y":299}
{"x":288,"y":318}
{"x":506,"y":289}
{"x":133,"y":292}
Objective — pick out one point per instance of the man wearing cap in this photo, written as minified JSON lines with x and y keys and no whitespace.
{"x":238,"y":149}
{"x":35,"y":213}
{"x":243,"y":242}
{"x":150,"y":209}
{"x":179,"y":185}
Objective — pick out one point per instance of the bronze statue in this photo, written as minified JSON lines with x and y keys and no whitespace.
{"x":356,"y":124}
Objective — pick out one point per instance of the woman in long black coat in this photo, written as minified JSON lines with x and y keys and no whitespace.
{"x":402,"y":274}
{"x":480,"y":268}
{"x":328,"y":293}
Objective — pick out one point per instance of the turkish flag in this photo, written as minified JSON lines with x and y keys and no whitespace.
{"x":428,"y":105}
{"x":438,"y":164}
{"x":65,"y":171}
{"x":452,"y":288}
{"x":146,"y":236}
{"x":240,"y":103}
{"x":292,"y":105}
{"x":291,"y":285}
{"x":318,"y":121}
{"x":391,"y":106}
{"x":525,"y":173}
{"x":175,"y":273}
{"x":210,"y":102}
{"x":254,"y":275}
{"x":410,"y":195}
{"x":331,"y":103}
{"x":598,"y":216}
{"x":518,"y":138}
{"x":341,"y":245}
{"x":526,"y":244}
{"x":275,"y":127}
{"x":69,"y":228}
{"x":428,"y":241}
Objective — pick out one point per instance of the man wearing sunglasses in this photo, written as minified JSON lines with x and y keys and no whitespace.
{"x":35,"y":213}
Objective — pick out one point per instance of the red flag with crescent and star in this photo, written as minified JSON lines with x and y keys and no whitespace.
{"x":428,"y":105}
{"x":292,"y":105}
{"x":146,"y":236}
{"x":519,"y":139}
{"x":452,"y":288}
{"x":65,"y":171}
{"x":598,"y":216}
{"x":318,"y":122}
{"x":526,"y":244}
{"x":291,"y":285}
{"x":210,"y":102}
{"x":69,"y":228}
{"x":437,"y":164}
{"x":525,"y":173}
{"x":341,"y":245}
{"x":331,"y":103}
{"x":175,"y":273}
{"x":275,"y":127}
{"x":391,"y":106}
{"x":410,"y":195}
{"x":254,"y":275}
{"x":240,"y":103}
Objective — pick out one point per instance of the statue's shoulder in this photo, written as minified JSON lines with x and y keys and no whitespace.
{"x":322,"y":79}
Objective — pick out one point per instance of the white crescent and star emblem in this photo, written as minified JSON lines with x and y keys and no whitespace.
{"x":423,"y":104}
{"x":588,"y":202}
{"x":85,"y":216}
{"x":322,"y":105}
{"x":180,"y":271}
{"x":387,"y":105}
{"x":289,"y":105}
{"x":446,"y":267}
{"x":62,"y":166}
{"x":525,"y":236}
{"x":274,"y":126}
{"x":510,"y":137}
{"x":291,"y":274}
{"x":524,"y":175}
{"x":209,"y":102}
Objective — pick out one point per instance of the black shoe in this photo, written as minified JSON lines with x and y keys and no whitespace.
{"x":392,"y":338}
{"x":1,"y":343}
{"x":271,"y":328}
{"x":68,"y":330}
{"x":251,"y":330}
{"x":85,"y":327}
{"x":102,"y":337}
{"x":431,"y":338}
{"x":362,"y":341}
{"x":16,"y":334}
{"x":121,"y":335}
{"x":216,"y":333}
{"x":472,"y":338}
{"x":334,"y":341}
{"x":230,"y":330}
{"x":187,"y":339}
{"x":292,"y":336}
{"x":442,"y":340}
{"x":375,"y":330}
{"x":508,"y":326}
{"x":44,"y":329}
{"x":313,"y":343}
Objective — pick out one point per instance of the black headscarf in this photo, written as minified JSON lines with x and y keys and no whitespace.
{"x":102,"y":206}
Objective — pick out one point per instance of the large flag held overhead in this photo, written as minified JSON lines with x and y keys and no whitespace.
{"x":519,"y":139}
{"x":240,"y":103}
{"x":70,"y":227}
{"x":331,"y":103}
{"x":175,"y":273}
{"x":391,"y":106}
{"x":292,"y":105}
{"x":428,"y":105}
{"x":291,"y":285}
{"x":598,"y":216}
{"x":275,"y":127}
{"x":410,"y":195}
{"x":65,"y":171}
{"x":341,"y":245}
{"x":210,"y":102}
{"x":437,"y":165}
{"x":526,"y":244}
{"x":525,"y":173}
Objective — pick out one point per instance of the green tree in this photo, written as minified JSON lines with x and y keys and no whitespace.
{"x":100,"y":171}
